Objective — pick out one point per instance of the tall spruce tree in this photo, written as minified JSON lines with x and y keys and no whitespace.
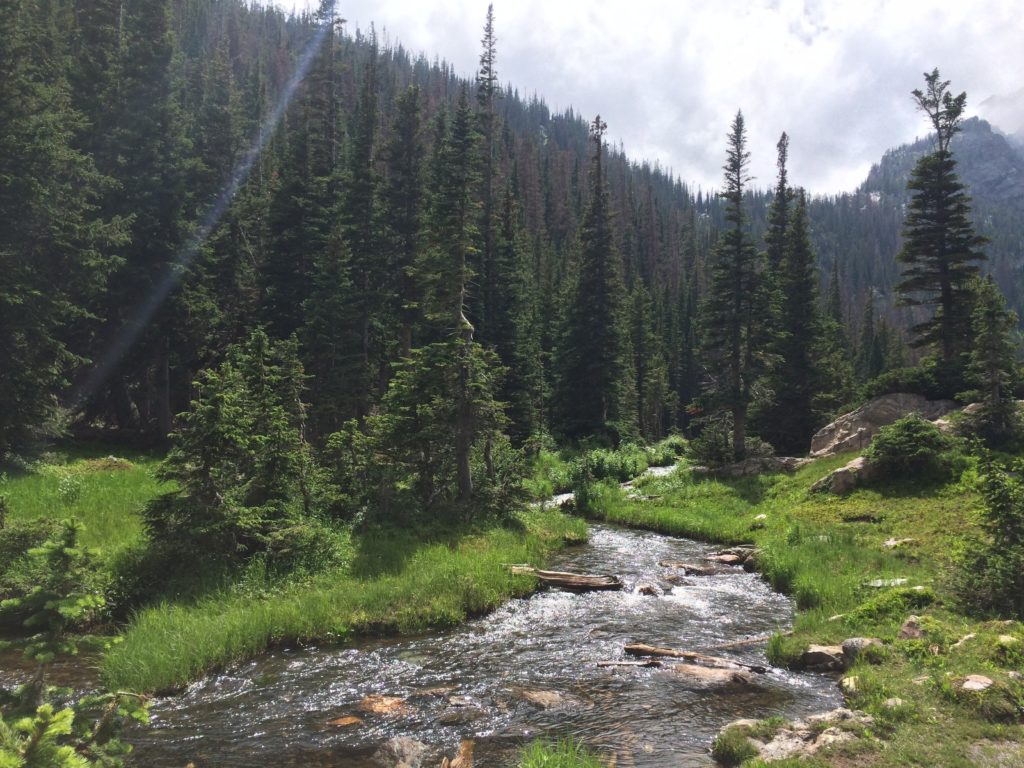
{"x":487,"y":94}
{"x":993,"y":368}
{"x":402,"y":203}
{"x":941,"y":248}
{"x":799,"y":379}
{"x":590,"y":362}
{"x":734,"y":328}
{"x":53,"y":241}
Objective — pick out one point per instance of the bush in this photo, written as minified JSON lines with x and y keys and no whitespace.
{"x":990,"y":567}
{"x":913,"y":447}
{"x":666,"y":452}
{"x":933,"y":379}
{"x":732,"y":747}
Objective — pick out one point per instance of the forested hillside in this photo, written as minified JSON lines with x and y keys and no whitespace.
{"x":188,"y":172}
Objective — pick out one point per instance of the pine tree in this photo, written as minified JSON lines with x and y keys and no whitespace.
{"x":240,"y":459}
{"x":444,"y":272}
{"x":591,"y":360}
{"x":800,"y":380}
{"x":734,"y":326}
{"x":778,"y":213}
{"x":993,"y":367}
{"x":402,"y":201}
{"x":54,"y":243}
{"x":650,"y":370}
{"x":487,"y":93}
{"x":145,"y":148}
{"x":940,"y":248}
{"x":870,"y":358}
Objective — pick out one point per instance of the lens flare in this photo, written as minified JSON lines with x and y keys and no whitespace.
{"x":129,"y":334}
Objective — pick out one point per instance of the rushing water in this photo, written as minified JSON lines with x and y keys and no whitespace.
{"x":475,"y":682}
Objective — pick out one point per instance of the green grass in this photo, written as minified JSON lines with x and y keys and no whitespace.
{"x":106,"y":496}
{"x":562,"y":754}
{"x":391,"y":587}
{"x":823,"y":550}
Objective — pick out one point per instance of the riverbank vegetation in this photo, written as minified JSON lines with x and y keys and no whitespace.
{"x":862,"y":565}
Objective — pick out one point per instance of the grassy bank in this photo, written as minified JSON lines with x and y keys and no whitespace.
{"x":396,"y":584}
{"x":825,"y":550}
{"x":387,"y":580}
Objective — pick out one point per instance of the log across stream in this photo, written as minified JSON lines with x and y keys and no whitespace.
{"x":552,"y":664}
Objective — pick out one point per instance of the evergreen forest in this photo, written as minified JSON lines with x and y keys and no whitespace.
{"x":294,"y":317}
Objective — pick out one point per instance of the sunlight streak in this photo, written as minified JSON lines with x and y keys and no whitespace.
{"x":128,"y":335}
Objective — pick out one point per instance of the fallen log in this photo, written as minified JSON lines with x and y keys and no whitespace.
{"x":644,"y":663}
{"x":575,"y":582}
{"x":640,"y":649}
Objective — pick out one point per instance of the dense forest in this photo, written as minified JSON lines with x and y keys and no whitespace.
{"x":355,"y":303}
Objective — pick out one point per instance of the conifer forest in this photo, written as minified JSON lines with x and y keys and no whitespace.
{"x":319,"y":355}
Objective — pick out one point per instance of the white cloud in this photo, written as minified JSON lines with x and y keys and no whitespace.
{"x":668,"y":77}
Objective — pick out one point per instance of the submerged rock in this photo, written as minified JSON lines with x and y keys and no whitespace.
{"x":384,"y":705}
{"x":711,"y":676}
{"x":543,"y":699}
{"x":647,"y":589}
{"x":400,"y":752}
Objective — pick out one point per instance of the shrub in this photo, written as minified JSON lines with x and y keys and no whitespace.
{"x":732,"y":746}
{"x":912,"y":447}
{"x":244,"y":470}
{"x":989,"y":577}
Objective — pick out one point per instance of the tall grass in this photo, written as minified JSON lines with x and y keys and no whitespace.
{"x":105,"y":495}
{"x":438,"y":584}
{"x":565,"y":753}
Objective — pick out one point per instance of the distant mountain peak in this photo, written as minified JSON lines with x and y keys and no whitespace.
{"x":990,"y":166}
{"x":1006,"y":112}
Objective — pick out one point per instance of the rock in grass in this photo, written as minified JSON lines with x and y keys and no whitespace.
{"x":911,"y":629}
{"x":400,"y":752}
{"x":854,"y":430}
{"x":823,"y":657}
{"x":796,"y":740}
{"x":853,"y":646}
{"x":897,"y":543}
{"x":976,"y":683}
{"x":880,"y":583}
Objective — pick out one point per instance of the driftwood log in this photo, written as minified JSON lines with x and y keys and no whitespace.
{"x":640,"y":649}
{"x":575,"y":582}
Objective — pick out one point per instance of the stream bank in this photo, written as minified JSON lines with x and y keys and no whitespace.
{"x":527,"y":670}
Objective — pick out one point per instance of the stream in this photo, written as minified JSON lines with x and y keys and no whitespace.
{"x":528,"y":670}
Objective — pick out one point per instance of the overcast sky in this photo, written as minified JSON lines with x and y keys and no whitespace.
{"x":668,"y":77}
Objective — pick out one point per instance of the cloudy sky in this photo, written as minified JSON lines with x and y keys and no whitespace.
{"x":668,"y":77}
